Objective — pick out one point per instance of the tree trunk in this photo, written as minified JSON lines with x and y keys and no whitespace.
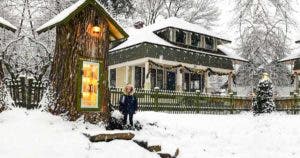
{"x":110,"y":137}
{"x":74,"y":41}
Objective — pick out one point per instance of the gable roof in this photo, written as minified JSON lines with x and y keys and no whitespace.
{"x":7,"y":25}
{"x":70,"y":12}
{"x":147,"y":35}
{"x":180,"y":23}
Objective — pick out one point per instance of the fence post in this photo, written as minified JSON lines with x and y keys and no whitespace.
{"x":198,"y":100}
{"x":23,"y":91}
{"x":231,"y":103}
{"x":295,"y":103}
{"x":29,"y":93}
{"x":156,"y":98}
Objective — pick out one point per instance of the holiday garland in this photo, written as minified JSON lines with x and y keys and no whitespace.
{"x":195,"y":71}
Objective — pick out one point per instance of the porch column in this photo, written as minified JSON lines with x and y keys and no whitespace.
{"x":147,"y":85}
{"x":165,"y":77}
{"x":296,"y":82}
{"x":133,"y":75}
{"x":126,"y":80}
{"x":179,"y":79}
{"x":230,"y":82}
{"x":206,"y":82}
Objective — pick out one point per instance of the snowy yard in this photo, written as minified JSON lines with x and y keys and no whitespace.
{"x":30,"y":134}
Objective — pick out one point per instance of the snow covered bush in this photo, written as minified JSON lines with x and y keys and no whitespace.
{"x":6,"y":101}
{"x":263,"y":102}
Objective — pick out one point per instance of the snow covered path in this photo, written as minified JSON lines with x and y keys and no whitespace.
{"x":30,"y":134}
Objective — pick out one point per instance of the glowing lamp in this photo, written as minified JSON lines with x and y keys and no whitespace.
{"x":96,"y":29}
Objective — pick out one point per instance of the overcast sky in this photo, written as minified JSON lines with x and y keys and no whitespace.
{"x":226,"y":7}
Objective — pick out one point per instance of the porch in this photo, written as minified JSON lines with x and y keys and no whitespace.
{"x":153,"y":73}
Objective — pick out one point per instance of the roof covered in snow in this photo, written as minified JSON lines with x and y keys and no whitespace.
{"x":293,"y":56}
{"x":184,"y":25}
{"x":147,"y":35}
{"x":230,"y":52}
{"x":70,"y":12}
{"x":7,"y":25}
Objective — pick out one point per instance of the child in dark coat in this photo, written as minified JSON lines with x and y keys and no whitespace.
{"x":128,"y":104}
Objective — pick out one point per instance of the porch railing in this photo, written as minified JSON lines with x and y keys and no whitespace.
{"x":193,"y":102}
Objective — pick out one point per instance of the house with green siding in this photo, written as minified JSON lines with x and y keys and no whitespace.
{"x":172,"y":54}
{"x":293,"y":61}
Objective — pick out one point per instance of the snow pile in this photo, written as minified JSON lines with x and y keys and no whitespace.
{"x":34,"y":133}
{"x":30,"y":134}
{"x":7,"y":24}
{"x":224,"y":136}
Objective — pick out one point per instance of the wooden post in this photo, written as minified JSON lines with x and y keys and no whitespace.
{"x":156,"y":99}
{"x":165,"y":78}
{"x":147,"y":85}
{"x":296,"y":82}
{"x":133,"y":75}
{"x":126,"y":75}
{"x":206,"y":80}
{"x":230,"y":82}
{"x":231,"y":103}
{"x":29,"y":94}
{"x":23,"y":91}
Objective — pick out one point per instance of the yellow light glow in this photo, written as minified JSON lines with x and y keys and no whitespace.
{"x":90,"y":84}
{"x":96,"y":29}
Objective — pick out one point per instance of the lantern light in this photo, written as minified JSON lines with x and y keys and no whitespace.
{"x":96,"y":28}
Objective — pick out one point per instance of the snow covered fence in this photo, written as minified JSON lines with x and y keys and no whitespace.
{"x":185,"y":102}
{"x":26,"y":92}
{"x":193,"y":102}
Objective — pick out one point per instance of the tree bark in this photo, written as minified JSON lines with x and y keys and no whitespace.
{"x":110,"y":137}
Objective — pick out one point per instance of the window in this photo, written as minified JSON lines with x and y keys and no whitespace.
{"x":165,"y":34}
{"x":197,"y":82}
{"x":186,"y":83}
{"x":156,"y":78}
{"x":160,"y":79}
{"x":89,"y":79}
{"x":171,"y":80}
{"x":139,"y":77}
{"x":196,"y":39}
{"x":153,"y":78}
{"x":113,"y":77}
{"x":219,"y":42}
{"x":180,"y":36}
{"x":209,"y":43}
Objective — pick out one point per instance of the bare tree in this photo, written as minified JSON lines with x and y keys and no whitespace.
{"x":148,"y":10}
{"x":202,"y":12}
{"x":263,"y":26}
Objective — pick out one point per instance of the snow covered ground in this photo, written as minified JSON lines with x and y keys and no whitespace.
{"x":30,"y":134}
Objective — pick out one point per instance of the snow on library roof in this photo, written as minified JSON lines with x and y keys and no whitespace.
{"x":69,"y":12}
{"x":146,"y":34}
{"x":5,"y":24}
